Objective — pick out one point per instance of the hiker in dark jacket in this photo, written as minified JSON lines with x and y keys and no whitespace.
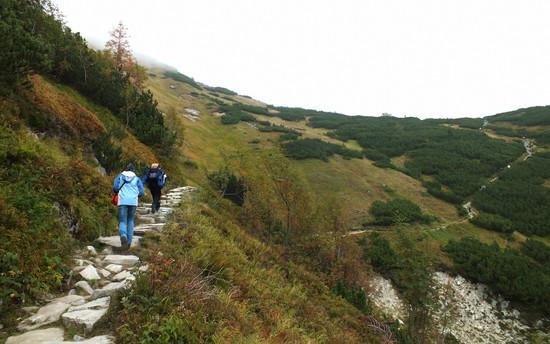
{"x":154,"y":178}
{"x":129,"y":188}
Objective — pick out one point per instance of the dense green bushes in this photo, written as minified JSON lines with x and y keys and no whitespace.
{"x":317,"y":149}
{"x":458,"y":159}
{"x":397,"y":211}
{"x":520,"y":196}
{"x":234,"y":114}
{"x":538,"y":251}
{"x":228,"y":185}
{"x":506,"y":271}
{"x":494,"y":222}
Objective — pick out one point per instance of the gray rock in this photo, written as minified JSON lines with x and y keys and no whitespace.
{"x":86,"y":318}
{"x":109,"y":289}
{"x":107,"y":250}
{"x":44,"y":316}
{"x":37,"y":336}
{"x":90,"y":273}
{"x":122,"y":276}
{"x":72,"y":292}
{"x":72,"y":300}
{"x":143,"y":268}
{"x":100,"y":303}
{"x":85,"y":287}
{"x":125,"y":260}
{"x":104,"y":273}
{"x":114,"y":268}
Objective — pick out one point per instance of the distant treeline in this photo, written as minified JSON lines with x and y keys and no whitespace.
{"x":182,"y":78}
{"x":532,"y":116}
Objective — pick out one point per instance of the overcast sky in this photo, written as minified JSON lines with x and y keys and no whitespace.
{"x":424,"y":58}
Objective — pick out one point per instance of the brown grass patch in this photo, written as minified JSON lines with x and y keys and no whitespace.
{"x":64,"y":111}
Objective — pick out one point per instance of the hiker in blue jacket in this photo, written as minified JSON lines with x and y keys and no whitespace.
{"x":129,"y":188}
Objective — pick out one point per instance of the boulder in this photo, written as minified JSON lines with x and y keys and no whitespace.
{"x":53,"y":334}
{"x":125,"y":260}
{"x":90,"y":273}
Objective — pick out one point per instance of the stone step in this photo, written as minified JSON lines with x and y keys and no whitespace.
{"x":124,"y":260}
{"x":149,"y":227}
{"x":114,"y":241}
{"x":104,"y":339}
{"x":53,"y":334}
{"x":84,"y":319}
{"x":109,"y":289}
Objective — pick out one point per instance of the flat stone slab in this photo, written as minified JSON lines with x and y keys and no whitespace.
{"x":90,"y":273}
{"x":86,"y":318}
{"x":104,"y":273}
{"x":114,"y":268}
{"x":46,"y":335}
{"x":100,"y":303}
{"x":73,"y":300}
{"x":121,"y":276}
{"x":125,"y":260}
{"x":114,"y":241}
{"x":109,"y":289}
{"x":105,"y":339}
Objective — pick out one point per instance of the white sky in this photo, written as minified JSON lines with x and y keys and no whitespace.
{"x":425,"y":58}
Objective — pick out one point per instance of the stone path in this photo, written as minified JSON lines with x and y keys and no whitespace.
{"x":94,"y":278}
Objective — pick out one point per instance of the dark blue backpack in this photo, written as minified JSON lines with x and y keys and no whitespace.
{"x":156,"y":174}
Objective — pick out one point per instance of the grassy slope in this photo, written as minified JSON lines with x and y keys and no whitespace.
{"x":357,"y":182}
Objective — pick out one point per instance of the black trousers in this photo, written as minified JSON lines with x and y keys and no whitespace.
{"x":156,"y":193}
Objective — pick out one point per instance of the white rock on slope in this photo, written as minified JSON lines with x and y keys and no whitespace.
{"x":90,"y":273}
{"x":114,"y":268}
{"x":85,"y":287}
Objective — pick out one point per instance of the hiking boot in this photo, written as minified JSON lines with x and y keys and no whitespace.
{"x":123,"y":243}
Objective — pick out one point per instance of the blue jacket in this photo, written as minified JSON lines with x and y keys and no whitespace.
{"x":130,"y":186}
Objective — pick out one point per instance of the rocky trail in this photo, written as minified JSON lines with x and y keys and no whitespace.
{"x":94,"y":278}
